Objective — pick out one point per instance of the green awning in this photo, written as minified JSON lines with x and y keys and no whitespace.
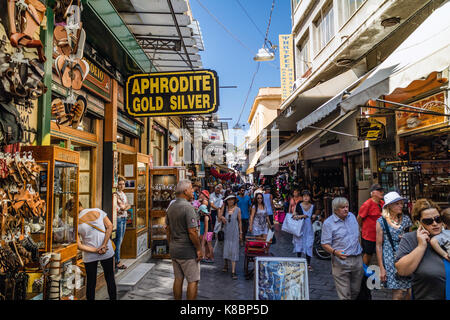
{"x":109,"y":35}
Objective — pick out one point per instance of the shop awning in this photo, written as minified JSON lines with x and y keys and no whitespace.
{"x":288,"y":151}
{"x":426,"y":50}
{"x":329,"y":106}
{"x":106,"y":31}
{"x":165,"y":30}
{"x":301,"y":104}
{"x":254,"y":160}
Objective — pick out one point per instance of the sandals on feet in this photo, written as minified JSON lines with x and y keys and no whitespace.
{"x":225,"y":269}
{"x":122,"y":266}
{"x":234,"y":276}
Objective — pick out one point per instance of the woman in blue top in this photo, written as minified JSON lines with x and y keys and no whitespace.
{"x":392,"y":222}
{"x":304,"y":243}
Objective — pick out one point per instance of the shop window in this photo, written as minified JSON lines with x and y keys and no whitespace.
{"x":58,"y":142}
{"x":324,"y":27}
{"x":158,"y":147}
{"x":350,"y":7}
{"x":85,"y":194}
{"x":125,"y":139}
{"x":304,"y":56}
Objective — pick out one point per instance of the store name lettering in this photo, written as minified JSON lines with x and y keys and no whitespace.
{"x":157,"y":94}
{"x":95,"y":71}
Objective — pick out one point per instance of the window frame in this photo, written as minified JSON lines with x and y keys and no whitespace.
{"x":322,"y":17}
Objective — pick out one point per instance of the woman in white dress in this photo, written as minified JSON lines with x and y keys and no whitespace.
{"x":304,"y":243}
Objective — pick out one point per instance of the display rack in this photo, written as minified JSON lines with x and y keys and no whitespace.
{"x":57,"y":184}
{"x":134,"y":167}
{"x":163,"y":181}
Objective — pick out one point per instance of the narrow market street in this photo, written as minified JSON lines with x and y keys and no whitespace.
{"x":216,"y":285}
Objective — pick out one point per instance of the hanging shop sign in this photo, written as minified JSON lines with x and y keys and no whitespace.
{"x":371,"y":129}
{"x":172,"y":93}
{"x":408,"y":121}
{"x":286,"y":43}
{"x":98,"y":81}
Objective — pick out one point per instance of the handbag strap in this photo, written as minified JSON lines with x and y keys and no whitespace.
{"x":388,"y":233}
{"x":95,"y":227}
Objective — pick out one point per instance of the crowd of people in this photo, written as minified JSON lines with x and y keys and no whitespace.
{"x":412,"y":249}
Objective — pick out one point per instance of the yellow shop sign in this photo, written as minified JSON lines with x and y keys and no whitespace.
{"x":172,"y":93}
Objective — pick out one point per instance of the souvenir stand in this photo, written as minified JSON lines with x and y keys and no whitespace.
{"x":57,"y":184}
{"x":163,"y":181}
{"x":134,"y":168}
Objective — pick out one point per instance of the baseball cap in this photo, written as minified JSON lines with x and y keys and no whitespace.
{"x":376,"y":186}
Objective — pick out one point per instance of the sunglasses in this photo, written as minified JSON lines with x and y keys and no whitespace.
{"x":429,"y":221}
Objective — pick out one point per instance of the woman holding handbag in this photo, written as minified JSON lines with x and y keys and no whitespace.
{"x":304,"y":243}
{"x":390,"y":228}
{"x":94,"y":230}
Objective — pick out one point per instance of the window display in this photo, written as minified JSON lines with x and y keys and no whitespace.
{"x":163,"y":184}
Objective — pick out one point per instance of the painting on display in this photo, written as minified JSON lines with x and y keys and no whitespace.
{"x":278,"y":278}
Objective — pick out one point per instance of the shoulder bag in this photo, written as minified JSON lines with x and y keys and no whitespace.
{"x":112,"y":242}
{"x":388,"y":233}
{"x":292,"y":226}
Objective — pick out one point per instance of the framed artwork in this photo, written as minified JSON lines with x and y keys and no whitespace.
{"x":128,"y":170}
{"x":130,"y":183}
{"x":85,"y":200}
{"x":278,"y":278}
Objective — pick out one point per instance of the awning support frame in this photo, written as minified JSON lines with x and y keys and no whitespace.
{"x":333,"y":131}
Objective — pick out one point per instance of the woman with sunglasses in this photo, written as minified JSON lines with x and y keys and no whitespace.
{"x":416,"y":257}
{"x":390,"y":228}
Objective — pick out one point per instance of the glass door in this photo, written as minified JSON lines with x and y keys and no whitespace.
{"x":65,"y":189}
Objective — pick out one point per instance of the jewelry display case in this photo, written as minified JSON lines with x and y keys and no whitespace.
{"x":163,"y":181}
{"x":134,"y":167}
{"x":57,"y":184}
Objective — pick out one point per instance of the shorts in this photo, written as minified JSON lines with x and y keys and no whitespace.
{"x":368,"y":247}
{"x":186,"y":268}
{"x":209,"y":236}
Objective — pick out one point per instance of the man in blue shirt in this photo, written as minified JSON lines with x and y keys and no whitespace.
{"x":245,"y":204}
{"x":340,"y":237}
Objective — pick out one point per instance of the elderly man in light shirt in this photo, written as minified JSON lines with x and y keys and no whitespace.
{"x":216,"y":201}
{"x":340,"y":237}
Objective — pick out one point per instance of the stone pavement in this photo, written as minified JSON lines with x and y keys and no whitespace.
{"x":216,"y":285}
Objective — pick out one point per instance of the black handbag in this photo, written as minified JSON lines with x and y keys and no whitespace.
{"x":221,"y":234}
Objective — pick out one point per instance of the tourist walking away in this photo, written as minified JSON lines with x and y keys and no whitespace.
{"x":295,"y":199}
{"x":196,"y":192}
{"x":184,"y":245}
{"x":415,"y":256}
{"x":368,"y":215}
{"x":340,"y":238}
{"x":390,"y":228}
{"x":245,"y":205}
{"x":216,"y":200}
{"x":304,"y":243}
{"x":441,"y":242}
{"x":231,"y":220}
{"x":259,"y":220}
{"x":206,"y":234}
{"x":122,"y":207}
{"x":94,"y":241}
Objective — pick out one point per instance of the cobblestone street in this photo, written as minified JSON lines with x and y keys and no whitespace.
{"x":216,"y":285}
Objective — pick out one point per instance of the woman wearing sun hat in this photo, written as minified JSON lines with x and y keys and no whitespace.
{"x":390,"y":228}
{"x":231,"y":220}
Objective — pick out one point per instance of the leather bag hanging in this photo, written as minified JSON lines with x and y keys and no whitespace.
{"x":10,"y":125}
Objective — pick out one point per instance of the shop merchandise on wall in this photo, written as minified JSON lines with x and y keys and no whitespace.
{"x":21,"y":209}
{"x":68,"y":43}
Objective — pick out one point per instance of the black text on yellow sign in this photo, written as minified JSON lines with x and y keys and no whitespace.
{"x":172,"y":93}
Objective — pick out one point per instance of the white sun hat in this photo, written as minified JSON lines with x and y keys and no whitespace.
{"x":392,"y":197}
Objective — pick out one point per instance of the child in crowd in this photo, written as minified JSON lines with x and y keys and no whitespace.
{"x":441,"y":242}
{"x":206,"y":233}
